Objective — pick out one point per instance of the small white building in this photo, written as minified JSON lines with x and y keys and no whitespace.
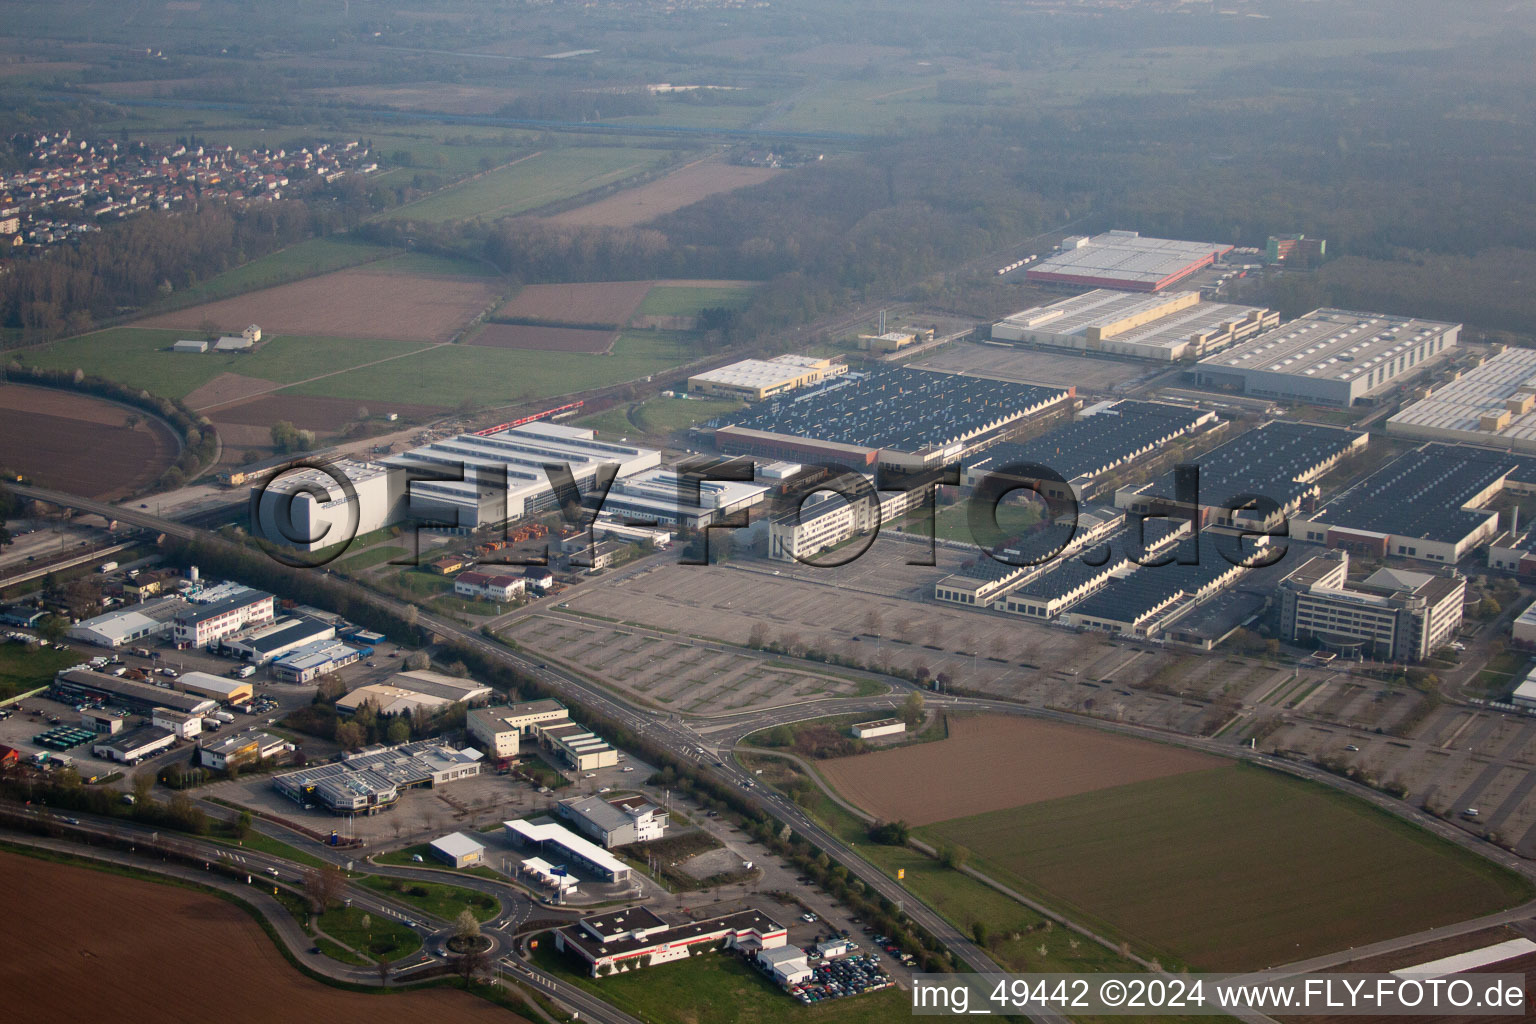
{"x":787,"y":964}
{"x":180,"y":724}
{"x":134,"y":745}
{"x":458,"y":849}
{"x":190,"y":345}
{"x":1525,"y":694}
{"x":1522,"y":632}
{"x":881,"y":727}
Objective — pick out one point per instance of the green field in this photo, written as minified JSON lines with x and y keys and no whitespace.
{"x":141,"y":358}
{"x":371,"y":558}
{"x":657,"y":415}
{"x":538,"y":180}
{"x":676,"y":300}
{"x":453,"y":374}
{"x":696,"y":989}
{"x":1232,"y":868}
{"x":25,"y":667}
{"x":373,"y":935}
{"x":436,"y":898}
{"x":952,"y":521}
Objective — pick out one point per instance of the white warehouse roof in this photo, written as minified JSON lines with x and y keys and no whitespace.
{"x":458,"y":845}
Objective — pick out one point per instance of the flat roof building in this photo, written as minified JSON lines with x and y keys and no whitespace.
{"x":893,"y":415}
{"x":1280,"y":461}
{"x":204,"y":684}
{"x":134,"y":745}
{"x":222,"y":612}
{"x":1522,"y":631}
{"x":502,"y":729}
{"x":1102,"y":439}
{"x":1429,"y":504}
{"x":667,"y":497}
{"x":1392,"y":615}
{"x":370,"y":781}
{"x":76,"y":684}
{"x":240,"y":748}
{"x":1124,"y":260}
{"x":458,"y":849}
{"x":637,"y":937}
{"x":273,"y":641}
{"x":129,"y":624}
{"x":568,"y":846}
{"x":1330,"y":357}
{"x":579,"y":747}
{"x":501,"y":475}
{"x":307,"y":663}
{"x":1165,"y":327}
{"x":1492,"y":404}
{"x":756,"y":379}
{"x":404,"y":692}
{"x":614,"y":823}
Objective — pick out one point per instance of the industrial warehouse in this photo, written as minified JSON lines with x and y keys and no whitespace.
{"x":1492,"y":404}
{"x":756,"y":379}
{"x":1124,"y":260}
{"x":75,"y":685}
{"x":893,"y":416}
{"x":487,"y":478}
{"x":371,"y":781}
{"x":405,"y":693}
{"x":467,"y":481}
{"x":1330,"y":357}
{"x":1102,"y":438}
{"x":1279,"y":461}
{"x":1429,"y":504}
{"x":129,"y":624}
{"x":1165,"y":327}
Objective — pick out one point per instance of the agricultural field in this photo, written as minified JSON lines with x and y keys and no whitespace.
{"x":532,"y":181}
{"x":543,"y":339}
{"x":686,"y":300}
{"x":452,"y":375}
{"x":1185,"y":867}
{"x":592,"y":302}
{"x":81,"y":444}
{"x":692,"y":991}
{"x":62,"y":916}
{"x":348,"y":304}
{"x":688,"y":184}
{"x":675,"y":673}
{"x":142,"y":358}
{"x":991,"y":763}
{"x":304,"y":259}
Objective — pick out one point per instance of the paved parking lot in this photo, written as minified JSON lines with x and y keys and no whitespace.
{"x":1055,"y":369}
{"x":674,"y":672}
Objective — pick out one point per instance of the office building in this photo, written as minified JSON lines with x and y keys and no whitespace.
{"x":1392,"y":615}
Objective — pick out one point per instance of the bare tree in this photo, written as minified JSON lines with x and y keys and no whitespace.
{"x":384,"y":971}
{"x":470,"y":964}
{"x":324,"y":886}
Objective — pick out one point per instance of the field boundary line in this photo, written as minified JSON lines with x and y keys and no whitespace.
{"x":322,"y":376}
